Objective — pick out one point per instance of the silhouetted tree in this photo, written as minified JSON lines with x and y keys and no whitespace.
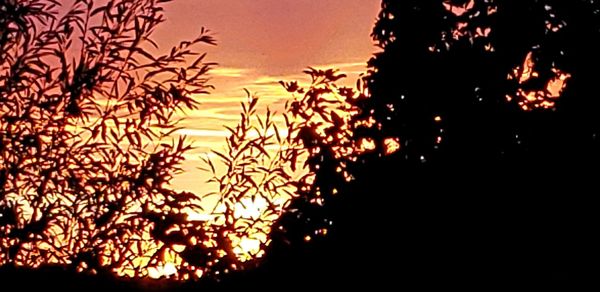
{"x":86,"y":155}
{"x":297,"y":170}
{"x":494,"y":104}
{"x":87,"y":114}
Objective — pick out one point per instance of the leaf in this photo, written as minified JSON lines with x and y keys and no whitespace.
{"x":222,"y":156}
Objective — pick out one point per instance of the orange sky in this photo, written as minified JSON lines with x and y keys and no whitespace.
{"x":260,"y":43}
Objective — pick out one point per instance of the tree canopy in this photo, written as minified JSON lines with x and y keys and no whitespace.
{"x":494,"y":106}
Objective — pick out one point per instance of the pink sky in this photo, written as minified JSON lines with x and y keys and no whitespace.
{"x":276,"y":36}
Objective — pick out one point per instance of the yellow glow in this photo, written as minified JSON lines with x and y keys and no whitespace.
{"x":543,"y":98}
{"x":167,"y":270}
{"x":199,"y":216}
{"x":247,"y":246}
{"x":366,"y":145}
{"x":250,"y":209}
{"x":392,"y":145}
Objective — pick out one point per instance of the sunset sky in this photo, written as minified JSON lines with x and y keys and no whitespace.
{"x":261,"y":42}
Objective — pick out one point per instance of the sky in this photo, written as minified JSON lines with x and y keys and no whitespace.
{"x":261,"y":42}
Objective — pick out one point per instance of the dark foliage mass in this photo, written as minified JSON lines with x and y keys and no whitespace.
{"x":493,"y":182}
{"x":487,"y":189}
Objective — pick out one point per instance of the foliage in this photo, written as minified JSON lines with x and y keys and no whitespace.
{"x":87,"y":156}
{"x":86,"y":110}
{"x":488,"y":183}
{"x":276,"y":174}
{"x":458,"y":75}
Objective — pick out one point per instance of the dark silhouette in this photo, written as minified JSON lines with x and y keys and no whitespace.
{"x":86,"y":156}
{"x":487,"y":190}
{"x":482,"y":193}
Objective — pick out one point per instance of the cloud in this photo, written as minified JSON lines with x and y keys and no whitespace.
{"x":203,"y":133}
{"x":350,"y":68}
{"x":230,"y":72}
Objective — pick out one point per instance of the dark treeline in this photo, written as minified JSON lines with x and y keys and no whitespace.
{"x":504,"y":198}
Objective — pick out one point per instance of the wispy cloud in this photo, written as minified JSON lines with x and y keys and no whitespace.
{"x":351,"y":68}
{"x":230,"y":72}
{"x":203,"y":133}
